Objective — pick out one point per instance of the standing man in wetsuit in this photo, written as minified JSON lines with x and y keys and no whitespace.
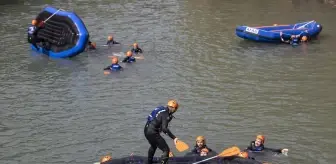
{"x":32,"y":33}
{"x":157,"y":122}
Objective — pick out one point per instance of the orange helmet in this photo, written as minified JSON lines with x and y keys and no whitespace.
{"x":114,"y":60}
{"x":262,"y":138}
{"x":109,"y":37}
{"x":304,"y":38}
{"x":93,"y":44}
{"x":135,"y":44}
{"x":200,"y":138}
{"x":173,"y":103}
{"x":105,"y":158}
{"x":243,"y":154}
{"x":129,"y":53}
{"x":34,"y":22}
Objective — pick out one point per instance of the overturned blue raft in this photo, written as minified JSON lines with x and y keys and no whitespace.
{"x":183,"y":160}
{"x":65,"y":33}
{"x":272,"y":33}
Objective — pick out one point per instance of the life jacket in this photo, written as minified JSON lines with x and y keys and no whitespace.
{"x":152,"y":116}
{"x":31,"y":30}
{"x":115,"y":67}
{"x":256,"y":148}
{"x":199,"y":149}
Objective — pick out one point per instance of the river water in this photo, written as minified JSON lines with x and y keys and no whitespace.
{"x":66,"y":111}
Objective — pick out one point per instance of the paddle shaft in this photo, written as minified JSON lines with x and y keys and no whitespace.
{"x":52,"y":15}
{"x":206,"y":159}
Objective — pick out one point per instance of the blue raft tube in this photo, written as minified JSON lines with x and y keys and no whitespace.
{"x":64,"y":32}
{"x":271,"y":34}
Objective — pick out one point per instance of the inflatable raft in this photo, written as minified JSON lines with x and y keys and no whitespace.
{"x":64,"y":32}
{"x":182,"y":160}
{"x":272,"y":33}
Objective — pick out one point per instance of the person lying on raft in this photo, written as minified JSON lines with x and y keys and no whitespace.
{"x":115,"y":65}
{"x":258,"y":145}
{"x":91,"y":46}
{"x":294,"y":39}
{"x":200,"y":148}
{"x":110,"y":41}
{"x":33,"y":31}
{"x":136,"y":49}
{"x":130,"y":58}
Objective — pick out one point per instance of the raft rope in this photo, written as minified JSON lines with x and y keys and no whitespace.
{"x":52,"y":15}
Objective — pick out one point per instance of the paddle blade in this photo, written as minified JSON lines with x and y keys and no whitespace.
{"x":230,"y":152}
{"x":106,"y":72}
{"x":181,"y":146}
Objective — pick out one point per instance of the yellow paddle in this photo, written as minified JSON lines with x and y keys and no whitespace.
{"x":181,"y":146}
{"x":232,"y":151}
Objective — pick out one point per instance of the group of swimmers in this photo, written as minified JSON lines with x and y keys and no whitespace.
{"x":115,"y":66}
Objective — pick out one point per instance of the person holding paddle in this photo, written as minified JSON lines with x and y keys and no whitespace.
{"x":258,"y":145}
{"x":157,"y":121}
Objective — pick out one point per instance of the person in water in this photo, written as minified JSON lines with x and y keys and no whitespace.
{"x":294,"y":39}
{"x":115,"y":65}
{"x":258,"y":145}
{"x":110,"y":41}
{"x":136,"y":49}
{"x":200,"y":146}
{"x":91,"y":45}
{"x":33,"y":31}
{"x":157,"y":121}
{"x":106,"y":159}
{"x":130,"y":58}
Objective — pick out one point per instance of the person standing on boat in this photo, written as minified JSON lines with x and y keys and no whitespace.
{"x":157,"y":121}
{"x":33,"y":31}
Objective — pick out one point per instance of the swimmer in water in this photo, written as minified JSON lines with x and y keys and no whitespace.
{"x":115,"y":65}
{"x":136,"y":49}
{"x":110,"y":41}
{"x":91,"y":45}
{"x":258,"y":145}
{"x":106,"y":159}
{"x":130,"y":58}
{"x":33,"y":31}
{"x":294,"y":39}
{"x":201,"y":148}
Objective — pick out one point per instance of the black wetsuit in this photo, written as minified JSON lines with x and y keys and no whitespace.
{"x":136,"y":50}
{"x":158,"y":121}
{"x":293,"y":41}
{"x":252,"y":147}
{"x":111,"y":42}
{"x":128,"y":59}
{"x":32,"y":35}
